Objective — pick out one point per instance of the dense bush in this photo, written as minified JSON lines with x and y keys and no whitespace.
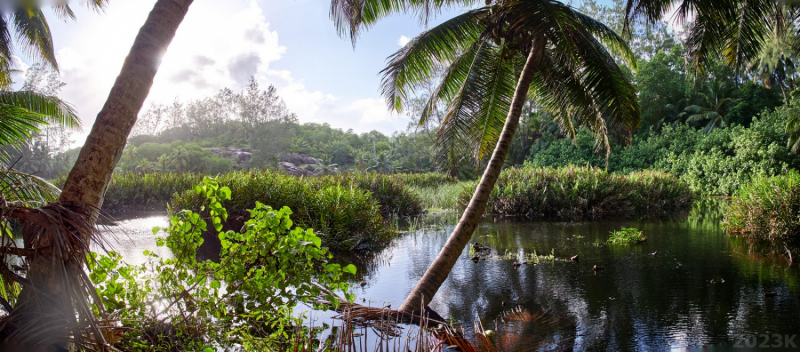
{"x":134,"y":192}
{"x":244,"y":301}
{"x":344,"y":213}
{"x":390,"y":191}
{"x":768,"y":209}
{"x":584,"y":193}
{"x":712,"y":164}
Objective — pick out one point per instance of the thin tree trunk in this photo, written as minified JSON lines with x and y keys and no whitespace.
{"x":426,"y":288}
{"x":52,"y":287}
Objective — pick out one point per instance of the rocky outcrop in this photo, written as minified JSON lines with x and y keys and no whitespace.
{"x":299,"y":159}
{"x":299,"y":164}
{"x":241,"y":156}
{"x":293,"y":169}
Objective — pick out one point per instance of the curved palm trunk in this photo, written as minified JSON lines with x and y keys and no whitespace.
{"x":48,"y":302}
{"x":87,"y":182}
{"x":426,"y":288}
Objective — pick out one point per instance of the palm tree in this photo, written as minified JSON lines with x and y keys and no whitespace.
{"x":712,"y":108}
{"x":498,"y":57}
{"x":54,"y":298}
{"x":179,"y":159}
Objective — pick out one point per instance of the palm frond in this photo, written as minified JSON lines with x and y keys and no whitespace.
{"x":27,"y":190}
{"x":52,"y":109}
{"x":460,"y":119}
{"x":33,"y":34}
{"x":416,"y":62}
{"x":350,"y":17}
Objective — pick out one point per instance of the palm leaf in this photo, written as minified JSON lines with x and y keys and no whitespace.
{"x":416,"y":62}
{"x":29,"y":190}
{"x":33,"y":34}
{"x":353,"y":16}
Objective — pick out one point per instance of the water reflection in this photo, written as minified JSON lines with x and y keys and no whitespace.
{"x":701,"y":287}
{"x":698,"y":289}
{"x":133,"y":234}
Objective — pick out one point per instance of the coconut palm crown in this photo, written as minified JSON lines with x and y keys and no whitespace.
{"x":483,"y":51}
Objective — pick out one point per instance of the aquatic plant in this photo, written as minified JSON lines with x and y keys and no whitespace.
{"x":628,"y":235}
{"x":766,"y":209}
{"x":585,"y":193}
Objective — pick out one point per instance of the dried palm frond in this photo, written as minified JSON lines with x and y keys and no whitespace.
{"x":57,"y":298}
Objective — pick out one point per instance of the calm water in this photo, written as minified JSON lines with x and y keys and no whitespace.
{"x":702,"y":287}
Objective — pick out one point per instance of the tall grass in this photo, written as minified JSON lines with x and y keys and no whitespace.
{"x":137,"y":192}
{"x":584,"y":193}
{"x":446,"y":196}
{"x":767,"y":209}
{"x":424,"y":180}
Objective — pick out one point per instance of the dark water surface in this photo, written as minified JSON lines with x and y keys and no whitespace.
{"x":702,"y":287}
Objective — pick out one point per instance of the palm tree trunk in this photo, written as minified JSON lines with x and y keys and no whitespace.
{"x":87,"y":182}
{"x":426,"y":288}
{"x":53,"y":267}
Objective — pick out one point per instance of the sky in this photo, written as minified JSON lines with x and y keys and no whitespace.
{"x":291,"y":44}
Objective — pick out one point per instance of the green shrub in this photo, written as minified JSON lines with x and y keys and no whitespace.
{"x":389,"y":191}
{"x":767,"y":209}
{"x":628,"y":235}
{"x":135,"y":192}
{"x":245,"y":301}
{"x":711,"y":164}
{"x":584,"y":193}
{"x":344,"y":213}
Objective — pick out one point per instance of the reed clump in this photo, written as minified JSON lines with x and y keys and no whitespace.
{"x":572,"y":193}
{"x":767,"y":209}
{"x":446,"y":196}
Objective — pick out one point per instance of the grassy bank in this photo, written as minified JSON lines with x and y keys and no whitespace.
{"x":139,"y":192}
{"x":584,"y":193}
{"x":348,"y":208}
{"x":766,"y":209}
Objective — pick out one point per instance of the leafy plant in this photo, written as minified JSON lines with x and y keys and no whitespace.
{"x":628,"y":235}
{"x":246,"y":299}
{"x":766,"y":209}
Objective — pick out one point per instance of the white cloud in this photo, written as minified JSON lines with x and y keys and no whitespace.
{"x":301,"y":101}
{"x":202,"y":59}
{"x":403,"y":40}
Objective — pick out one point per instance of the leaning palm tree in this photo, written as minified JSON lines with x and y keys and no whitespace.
{"x":53,"y":308}
{"x":496,"y":58}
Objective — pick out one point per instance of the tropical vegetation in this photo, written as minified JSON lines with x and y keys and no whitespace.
{"x":766,"y":210}
{"x":578,"y":193}
{"x":519,"y":92}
